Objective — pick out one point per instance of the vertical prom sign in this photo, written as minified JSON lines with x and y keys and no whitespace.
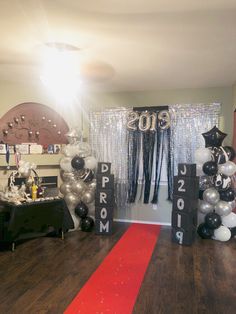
{"x":104,"y":200}
{"x":185,"y":202}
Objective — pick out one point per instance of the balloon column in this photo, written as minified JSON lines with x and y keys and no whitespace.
{"x":77,"y":173}
{"x":216,"y":198}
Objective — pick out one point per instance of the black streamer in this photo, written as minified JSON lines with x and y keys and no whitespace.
{"x":148,"y":149}
{"x":154,"y":146}
{"x":134,"y":152}
{"x":159,"y":160}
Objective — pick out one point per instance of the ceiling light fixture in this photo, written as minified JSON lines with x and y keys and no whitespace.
{"x":59,"y":71}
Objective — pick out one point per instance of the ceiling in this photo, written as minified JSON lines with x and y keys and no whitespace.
{"x":123,"y":45}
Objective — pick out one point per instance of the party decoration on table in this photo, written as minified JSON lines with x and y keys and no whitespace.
{"x":78,"y":187}
{"x":30,"y":187}
{"x":104,"y":200}
{"x":184,"y":208}
{"x":217,"y":197}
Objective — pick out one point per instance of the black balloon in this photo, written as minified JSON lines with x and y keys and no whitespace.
{"x":219,"y":155}
{"x":230,"y":152}
{"x":81,"y":210}
{"x":86,"y":224}
{"x":77,"y":163}
{"x":233,"y":232}
{"x":227,"y":195}
{"x":221,"y":181}
{"x":204,"y":231}
{"x":210,"y":168}
{"x":212,"y":220}
{"x":214,"y":137}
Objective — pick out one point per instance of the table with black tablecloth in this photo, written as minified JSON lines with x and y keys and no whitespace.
{"x":34,"y":219}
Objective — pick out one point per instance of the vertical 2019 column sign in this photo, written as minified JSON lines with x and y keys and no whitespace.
{"x":104,"y":200}
{"x":185,"y":202}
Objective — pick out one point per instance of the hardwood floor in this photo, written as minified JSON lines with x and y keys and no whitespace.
{"x":196,"y":279}
{"x":44,"y":275}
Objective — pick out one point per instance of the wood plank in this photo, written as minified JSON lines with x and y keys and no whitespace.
{"x":45,"y":274}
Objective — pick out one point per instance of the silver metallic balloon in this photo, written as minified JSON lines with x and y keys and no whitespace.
{"x":92,"y":185}
{"x":88,"y":197}
{"x":204,"y":207}
{"x":211,"y":196}
{"x":71,"y":199}
{"x":67,"y":176}
{"x":144,"y":122}
{"x":65,"y":188}
{"x":78,"y":187}
{"x":223,"y":208}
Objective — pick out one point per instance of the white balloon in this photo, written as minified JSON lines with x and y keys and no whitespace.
{"x":71,"y":150}
{"x":21,"y":169}
{"x":228,"y":168}
{"x":90,"y":162}
{"x":202,"y":155}
{"x":33,"y":166}
{"x":229,"y":220}
{"x":199,"y":170}
{"x":222,"y":234}
{"x":65,"y":164}
{"x":21,"y":163}
{"x":232,"y":204}
{"x":76,"y":222}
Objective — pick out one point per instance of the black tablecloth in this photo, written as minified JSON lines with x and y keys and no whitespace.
{"x":35,"y":219}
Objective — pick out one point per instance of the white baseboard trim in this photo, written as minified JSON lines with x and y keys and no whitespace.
{"x":144,"y":222}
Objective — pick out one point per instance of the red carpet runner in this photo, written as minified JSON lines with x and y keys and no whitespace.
{"x":114,"y":286}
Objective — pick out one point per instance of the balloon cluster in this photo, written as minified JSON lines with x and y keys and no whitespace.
{"x":216,"y":198}
{"x":25,"y":168}
{"x":77,"y":173}
{"x":86,"y":222}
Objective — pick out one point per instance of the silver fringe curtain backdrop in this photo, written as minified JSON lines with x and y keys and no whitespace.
{"x":109,"y":139}
{"x":188,"y":122}
{"x":109,"y":142}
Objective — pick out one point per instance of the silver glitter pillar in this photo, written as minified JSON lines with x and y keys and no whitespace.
{"x":188,"y":122}
{"x":109,"y":142}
